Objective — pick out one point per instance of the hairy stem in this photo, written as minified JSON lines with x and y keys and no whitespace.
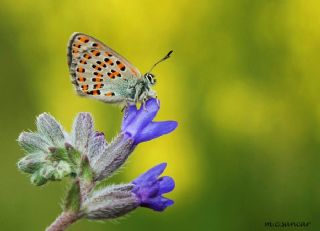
{"x":63,"y":221}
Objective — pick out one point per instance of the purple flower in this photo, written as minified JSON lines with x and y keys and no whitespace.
{"x":149,"y":188}
{"x":138,"y":125}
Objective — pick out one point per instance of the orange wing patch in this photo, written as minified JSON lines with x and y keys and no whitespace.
{"x":74,"y":51}
{"x":87,"y":56}
{"x":81,"y":79}
{"x":85,"y":87}
{"x":99,"y":75}
{"x":83,"y":39}
{"x":101,"y":64}
{"x":94,"y":92}
{"x":98,"y":68}
{"x":98,"y":86}
{"x":120,"y":65}
{"x":81,"y":69}
{"x":82,"y":61}
{"x":108,"y":61}
{"x":77,"y":45}
{"x":109,"y":94}
{"x":107,"y":54}
{"x":95,"y":52}
{"x":113,"y":74}
{"x":97,"y":80}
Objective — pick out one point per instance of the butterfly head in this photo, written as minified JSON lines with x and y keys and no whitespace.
{"x":150,"y":79}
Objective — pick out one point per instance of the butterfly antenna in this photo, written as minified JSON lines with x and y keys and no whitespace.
{"x":161,"y":60}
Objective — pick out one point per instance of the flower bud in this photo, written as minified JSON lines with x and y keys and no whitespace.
{"x":38,"y":179}
{"x":51,"y":130}
{"x":110,"y":202}
{"x":31,"y":162}
{"x":61,"y":170}
{"x":47,"y":171}
{"x":81,"y":132}
{"x":32,"y":142}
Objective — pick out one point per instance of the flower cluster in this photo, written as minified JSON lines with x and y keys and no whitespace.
{"x":86,"y":157}
{"x":46,"y":158}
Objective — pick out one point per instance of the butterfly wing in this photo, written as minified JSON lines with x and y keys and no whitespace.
{"x":98,"y":71}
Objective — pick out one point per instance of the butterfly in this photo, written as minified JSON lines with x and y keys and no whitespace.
{"x":99,"y":72}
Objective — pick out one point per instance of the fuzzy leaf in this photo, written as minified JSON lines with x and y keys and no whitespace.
{"x":31,"y":162}
{"x":86,"y":172}
{"x":32,"y":142}
{"x":58,"y":154}
{"x":37,"y":179}
{"x":110,"y":202}
{"x":73,"y":199}
{"x":50,"y":129}
{"x":96,"y":147}
{"x":82,"y":131}
{"x":73,"y":155}
{"x":115,"y":154}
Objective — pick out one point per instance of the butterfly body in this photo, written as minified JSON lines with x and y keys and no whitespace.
{"x":99,"y":72}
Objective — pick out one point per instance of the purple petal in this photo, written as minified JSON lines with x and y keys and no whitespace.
{"x":166,"y":184}
{"x":150,"y":175}
{"x":144,"y":116}
{"x":129,"y":115}
{"x":154,"y":130}
{"x":158,"y":203}
{"x":149,"y":188}
{"x":146,"y":191}
{"x":152,"y":104}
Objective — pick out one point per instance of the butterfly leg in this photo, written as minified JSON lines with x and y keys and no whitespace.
{"x":138,"y":92}
{"x":124,"y":108}
{"x":158,"y":101}
{"x":126,"y":111}
{"x":144,"y":104}
{"x":143,"y":98}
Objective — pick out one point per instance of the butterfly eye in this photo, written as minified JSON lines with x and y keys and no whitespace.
{"x":150,"y":78}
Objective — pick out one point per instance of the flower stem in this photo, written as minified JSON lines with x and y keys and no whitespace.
{"x":63,"y":221}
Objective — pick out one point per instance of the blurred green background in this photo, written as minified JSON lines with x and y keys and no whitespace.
{"x":243,"y":83}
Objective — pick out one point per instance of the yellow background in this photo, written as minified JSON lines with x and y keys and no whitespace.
{"x":243,"y":83}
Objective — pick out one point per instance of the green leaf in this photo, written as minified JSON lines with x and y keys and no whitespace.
{"x":73,"y":155}
{"x":86,"y":173}
{"x":57,"y":154}
{"x":37,"y":179}
{"x":73,"y":199}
